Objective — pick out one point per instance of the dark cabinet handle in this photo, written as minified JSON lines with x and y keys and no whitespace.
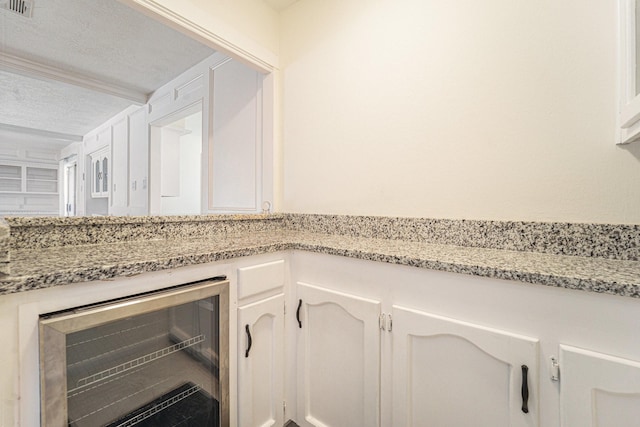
{"x":246,"y":353}
{"x":298,"y":314}
{"x":525,"y":390}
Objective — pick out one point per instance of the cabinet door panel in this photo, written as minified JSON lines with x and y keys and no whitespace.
{"x":120,"y":168}
{"x":452,"y":373}
{"x":260,"y":372}
{"x":338,"y":359}
{"x":598,"y":390}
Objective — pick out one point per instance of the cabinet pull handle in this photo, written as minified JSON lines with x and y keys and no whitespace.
{"x":249,"y":342}
{"x":525,"y":390}
{"x":298,"y":314}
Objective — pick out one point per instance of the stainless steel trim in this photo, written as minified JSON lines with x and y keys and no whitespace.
{"x":53,"y":341}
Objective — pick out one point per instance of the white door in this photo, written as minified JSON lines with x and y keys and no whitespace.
{"x":70,"y":171}
{"x":338,"y":359}
{"x":261,"y":363}
{"x":449,"y":373}
{"x":598,"y":389}
{"x":120,"y":168}
{"x":138,"y":162}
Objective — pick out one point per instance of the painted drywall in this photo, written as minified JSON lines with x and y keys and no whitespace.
{"x":497,"y":109}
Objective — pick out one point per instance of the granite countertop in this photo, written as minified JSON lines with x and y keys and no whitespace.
{"x":47,"y":267}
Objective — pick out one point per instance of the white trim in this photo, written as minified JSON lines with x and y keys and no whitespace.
{"x":629,"y":101}
{"x":252,"y":53}
{"x":39,"y":132}
{"x":48,"y":73}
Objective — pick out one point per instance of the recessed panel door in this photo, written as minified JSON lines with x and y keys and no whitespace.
{"x":598,"y":390}
{"x":338,"y":358}
{"x":260,"y":363}
{"x":449,"y":373}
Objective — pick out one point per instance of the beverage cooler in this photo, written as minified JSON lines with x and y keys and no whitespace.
{"x":152,"y":359}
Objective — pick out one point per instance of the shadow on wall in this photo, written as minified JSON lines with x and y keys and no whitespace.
{"x":633,"y":148}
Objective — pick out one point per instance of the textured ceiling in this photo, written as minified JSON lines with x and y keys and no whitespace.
{"x":98,"y":39}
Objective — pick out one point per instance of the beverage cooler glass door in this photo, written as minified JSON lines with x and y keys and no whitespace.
{"x":154,"y":359}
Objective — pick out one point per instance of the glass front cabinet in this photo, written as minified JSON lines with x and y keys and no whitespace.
{"x":100,"y":173}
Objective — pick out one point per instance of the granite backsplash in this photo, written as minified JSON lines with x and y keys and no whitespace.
{"x":611,"y":241}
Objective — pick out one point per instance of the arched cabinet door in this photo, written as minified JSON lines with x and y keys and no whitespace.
{"x":100,"y":172}
{"x":97,"y":177}
{"x":261,"y":363}
{"x":105,"y":174}
{"x":447,"y":372}
{"x":598,"y":390}
{"x":338,"y":358}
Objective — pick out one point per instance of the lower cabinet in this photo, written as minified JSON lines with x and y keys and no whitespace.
{"x":370,"y":349}
{"x":598,"y":389}
{"x":452,"y":373}
{"x":260,"y":364}
{"x":338,"y":379}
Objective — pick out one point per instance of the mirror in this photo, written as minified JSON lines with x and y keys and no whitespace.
{"x":79,"y":84}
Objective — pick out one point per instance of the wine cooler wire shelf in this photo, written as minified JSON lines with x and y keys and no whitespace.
{"x":116,"y":351}
{"x":116,"y":402}
{"x":134,"y":363}
{"x":160,"y":407}
{"x":118,"y":332}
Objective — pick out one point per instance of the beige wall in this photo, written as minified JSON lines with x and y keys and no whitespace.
{"x":497,"y":109}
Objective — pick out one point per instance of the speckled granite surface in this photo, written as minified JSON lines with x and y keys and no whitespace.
{"x":4,"y":247}
{"x":45,"y":232}
{"x":34,"y":269}
{"x":52,"y":252}
{"x":613,"y":241}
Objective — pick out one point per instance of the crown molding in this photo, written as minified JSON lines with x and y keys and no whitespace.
{"x":240,"y":47}
{"x":41,"y":133}
{"x":40,"y":71}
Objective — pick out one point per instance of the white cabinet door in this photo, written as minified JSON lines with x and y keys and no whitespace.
{"x":261,"y":363}
{"x":120,"y":168}
{"x":598,"y":389}
{"x":100,"y":163}
{"x":138,"y":162}
{"x":449,"y":373}
{"x":338,"y":359}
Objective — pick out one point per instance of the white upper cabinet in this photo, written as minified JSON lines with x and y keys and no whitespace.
{"x":629,"y":117}
{"x":100,"y":163}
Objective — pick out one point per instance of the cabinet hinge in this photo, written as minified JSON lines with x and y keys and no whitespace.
{"x":284,"y":409}
{"x":554,"y":368}
{"x":385,"y":322}
{"x":285,"y":308}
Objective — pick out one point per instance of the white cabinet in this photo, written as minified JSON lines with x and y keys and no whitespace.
{"x":120,"y":167}
{"x":260,"y":363}
{"x":138,"y":162}
{"x":452,"y":373}
{"x":338,"y":358}
{"x":28,"y":188}
{"x":100,"y":174}
{"x":261,"y":344}
{"x":598,"y":389}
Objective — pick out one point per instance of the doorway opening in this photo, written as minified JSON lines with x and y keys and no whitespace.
{"x":70,"y":172}
{"x":177,"y":142}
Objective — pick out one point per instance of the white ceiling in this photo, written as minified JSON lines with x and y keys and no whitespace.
{"x":96,"y":40}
